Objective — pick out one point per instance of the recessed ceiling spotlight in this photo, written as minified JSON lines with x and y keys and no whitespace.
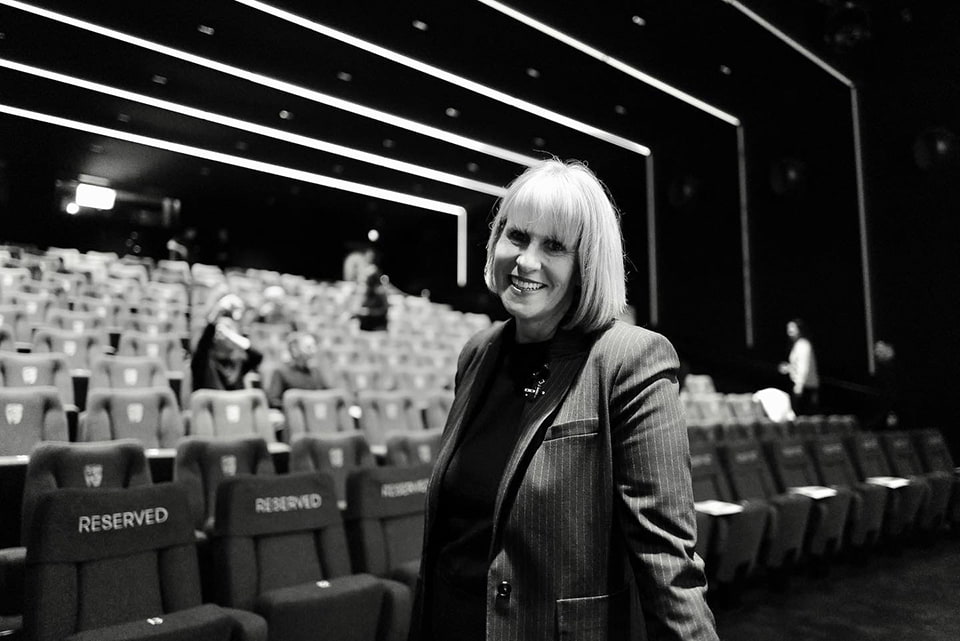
{"x":725,"y":70}
{"x":452,"y":112}
{"x":338,"y":169}
{"x":637,"y":20}
{"x":473,"y":167}
{"x":373,"y":235}
{"x":344,"y":76}
{"x":286,"y":115}
{"x":158,"y":79}
{"x":123,"y":117}
{"x":206,"y":30}
{"x":241,"y":145}
{"x":72,"y":208}
{"x":389,"y":143}
{"x":420,"y":25}
{"x":533,"y":73}
{"x":2,"y":35}
{"x":539,"y":142}
{"x":620,"y":110}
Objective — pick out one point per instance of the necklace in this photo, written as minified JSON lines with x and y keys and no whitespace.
{"x":536,"y":383}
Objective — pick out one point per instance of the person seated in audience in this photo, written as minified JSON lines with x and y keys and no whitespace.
{"x":373,"y":305}
{"x":300,"y":372}
{"x":273,"y":309}
{"x":802,"y":369}
{"x":223,"y":355}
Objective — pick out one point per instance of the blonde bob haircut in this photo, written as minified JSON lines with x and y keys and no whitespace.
{"x":579,"y":208}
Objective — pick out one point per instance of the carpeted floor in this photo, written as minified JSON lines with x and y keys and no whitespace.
{"x":913,"y":595}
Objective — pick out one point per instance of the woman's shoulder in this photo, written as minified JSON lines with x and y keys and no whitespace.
{"x":630,"y":339}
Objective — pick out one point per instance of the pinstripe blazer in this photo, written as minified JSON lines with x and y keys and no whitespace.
{"x":596,"y":495}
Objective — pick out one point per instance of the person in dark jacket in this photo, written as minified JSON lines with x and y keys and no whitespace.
{"x":223,"y":356}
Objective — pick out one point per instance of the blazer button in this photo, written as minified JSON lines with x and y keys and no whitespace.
{"x":504,"y":590}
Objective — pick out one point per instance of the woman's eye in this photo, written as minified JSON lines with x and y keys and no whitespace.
{"x":516,"y":236}
{"x":555,"y":246}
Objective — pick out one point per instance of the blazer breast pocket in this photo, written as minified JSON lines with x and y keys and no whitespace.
{"x":579,"y":427}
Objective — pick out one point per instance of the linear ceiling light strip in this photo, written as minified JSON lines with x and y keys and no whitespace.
{"x":857,"y":158}
{"x":267,"y":168}
{"x":280,"y":85}
{"x":613,"y":62}
{"x":451,"y":78}
{"x":270,"y":132}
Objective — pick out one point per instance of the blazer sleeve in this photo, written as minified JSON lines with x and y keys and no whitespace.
{"x":653,"y":491}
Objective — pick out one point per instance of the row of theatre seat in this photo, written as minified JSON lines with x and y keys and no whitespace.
{"x":776,"y":502}
{"x":229,"y":549}
{"x":29,"y":415}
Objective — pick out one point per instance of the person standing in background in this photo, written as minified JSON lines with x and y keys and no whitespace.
{"x":801,"y":367}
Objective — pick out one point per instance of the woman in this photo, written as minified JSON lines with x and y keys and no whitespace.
{"x":802,"y":369}
{"x":563,"y":476}
{"x":223,"y":356}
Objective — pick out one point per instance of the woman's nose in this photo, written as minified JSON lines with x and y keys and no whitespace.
{"x":528,"y":259}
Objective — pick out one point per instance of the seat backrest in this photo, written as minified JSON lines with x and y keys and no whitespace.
{"x":30,"y":415}
{"x":15,"y":319}
{"x":276,"y":532}
{"x":149,"y":414}
{"x":35,"y":370}
{"x":714,"y":409}
{"x":699,"y":384}
{"x":901,"y":453}
{"x":127,"y":371}
{"x":841,"y":424}
{"x":114,"y":464}
{"x":201,"y":464}
{"x":868,"y":456}
{"x":75,"y":321}
{"x":708,"y":476}
{"x":36,"y":306}
{"x":80,"y":348}
{"x":807,"y":425}
{"x":316,"y":412}
{"x":166,"y":347}
{"x":417,"y":378}
{"x":384,"y":517}
{"x":413,"y":448}
{"x":151,"y":324}
{"x":103,"y":308}
{"x":747,"y":469}
{"x":336,"y":454}
{"x":100,"y":558}
{"x":791,"y":463}
{"x":230,"y":414}
{"x":437,"y":404}
{"x":7,"y":338}
{"x":382,"y":412}
{"x":362,"y":378}
{"x":833,"y":462}
{"x":933,"y":450}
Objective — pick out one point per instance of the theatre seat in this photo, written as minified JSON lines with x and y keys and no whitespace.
{"x":80,"y":348}
{"x":730,"y":543}
{"x":437,"y":404}
{"x":316,"y":412}
{"x":167,"y":347}
{"x":793,"y":468}
{"x":52,"y":466}
{"x":148,"y":414}
{"x":230,"y":414}
{"x":413,"y":448}
{"x":15,"y":320}
{"x":337,"y":455}
{"x":904,"y":503}
{"x":383,"y":412}
{"x":904,"y":461}
{"x":127,"y":371}
{"x":201,"y":464}
{"x":76,"y":321}
{"x":120,"y":564}
{"x":935,"y":456}
{"x":30,"y":415}
{"x":789,"y":515}
{"x":37,"y":370}
{"x":384,"y":520}
{"x":865,"y":523}
{"x":279,"y":549}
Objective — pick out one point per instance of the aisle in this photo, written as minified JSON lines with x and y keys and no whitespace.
{"x":914,"y":596}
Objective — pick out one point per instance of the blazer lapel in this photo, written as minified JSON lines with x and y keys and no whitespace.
{"x":562,"y":375}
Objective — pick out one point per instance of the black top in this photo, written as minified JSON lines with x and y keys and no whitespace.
{"x":468,"y":493}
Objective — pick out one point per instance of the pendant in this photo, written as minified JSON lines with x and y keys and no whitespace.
{"x":537,"y":385}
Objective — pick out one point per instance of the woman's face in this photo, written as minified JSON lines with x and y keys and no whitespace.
{"x":534,"y":273}
{"x":792,"y":330}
